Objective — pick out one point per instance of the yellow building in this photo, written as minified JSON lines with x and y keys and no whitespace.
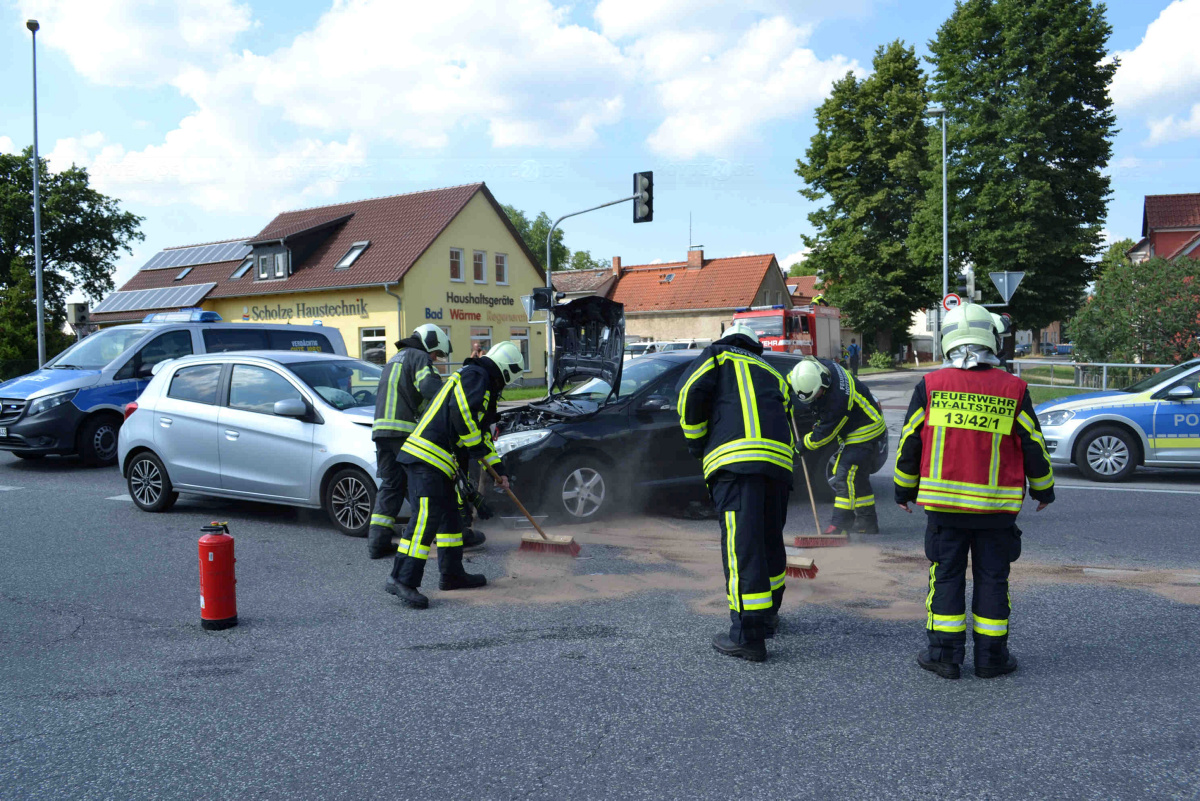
{"x":372,"y":269}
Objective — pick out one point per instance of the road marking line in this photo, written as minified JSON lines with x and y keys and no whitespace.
{"x":119,"y":498}
{"x":1128,"y":489}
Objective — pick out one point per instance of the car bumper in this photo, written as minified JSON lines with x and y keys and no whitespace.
{"x":51,"y":431}
{"x":1060,"y":441}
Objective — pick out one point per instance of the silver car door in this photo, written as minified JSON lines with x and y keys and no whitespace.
{"x":186,"y":426}
{"x":261,"y":452}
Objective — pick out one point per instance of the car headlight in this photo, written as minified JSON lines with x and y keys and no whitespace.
{"x":47,"y":402}
{"x":520,"y":439}
{"x":1055,"y":417}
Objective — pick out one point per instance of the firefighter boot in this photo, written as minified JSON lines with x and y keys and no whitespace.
{"x":751,"y":650}
{"x":379,"y":542}
{"x":473,"y":539}
{"x":461,"y":581}
{"x":772,"y":625}
{"x":406,"y":592}
{"x":947,"y":670}
{"x":866,"y":521}
{"x":992,"y":671}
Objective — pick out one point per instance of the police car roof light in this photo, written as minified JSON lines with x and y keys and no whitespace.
{"x":183,"y":316}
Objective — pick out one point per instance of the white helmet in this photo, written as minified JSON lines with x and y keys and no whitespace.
{"x":507,"y":356}
{"x":969,"y":324}
{"x":809,"y":378}
{"x":739,"y":328}
{"x":434,"y":339}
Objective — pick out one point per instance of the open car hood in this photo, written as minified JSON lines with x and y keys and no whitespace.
{"x":589,"y":342}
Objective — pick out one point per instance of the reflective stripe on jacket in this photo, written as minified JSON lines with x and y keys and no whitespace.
{"x":847,"y":412}
{"x":406,"y":386}
{"x":736,"y":410}
{"x":970,"y":442}
{"x":457,"y":418}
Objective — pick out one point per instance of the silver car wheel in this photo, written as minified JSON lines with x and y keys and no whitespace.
{"x":104,"y":443}
{"x":583,"y":492}
{"x":351,"y":503}
{"x":146,"y":482}
{"x":1107,"y":455}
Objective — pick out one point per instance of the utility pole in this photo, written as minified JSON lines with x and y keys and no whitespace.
{"x":33,"y":26}
{"x":940,"y":111}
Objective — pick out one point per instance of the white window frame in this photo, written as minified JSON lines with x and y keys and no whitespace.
{"x":518,"y":338}
{"x":490,"y":336}
{"x":281,"y":265}
{"x":479,"y":259}
{"x":352,"y":255}
{"x":381,"y":337}
{"x":264,"y":267}
{"x":498,"y":260}
{"x":462,"y":268}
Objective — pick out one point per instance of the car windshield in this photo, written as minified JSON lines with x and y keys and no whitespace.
{"x":765,"y":326}
{"x":342,"y":383}
{"x":1151,"y":381}
{"x":100,"y":349}
{"x":635,"y":376}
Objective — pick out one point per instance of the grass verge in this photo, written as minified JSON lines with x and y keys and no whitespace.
{"x":1043,"y":394}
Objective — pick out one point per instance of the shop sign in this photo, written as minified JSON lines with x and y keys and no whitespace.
{"x":302,"y":310}
{"x":480,"y":300}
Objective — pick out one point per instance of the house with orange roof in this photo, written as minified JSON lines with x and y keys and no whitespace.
{"x":1170,"y":228}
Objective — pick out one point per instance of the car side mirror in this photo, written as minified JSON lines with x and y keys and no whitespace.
{"x":292,"y":407}
{"x":1181,"y":393}
{"x":657,"y":403}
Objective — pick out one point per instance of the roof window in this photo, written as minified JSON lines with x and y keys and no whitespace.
{"x":352,"y":255}
{"x":183,"y":273}
{"x":666,"y":279}
{"x":243,"y":268}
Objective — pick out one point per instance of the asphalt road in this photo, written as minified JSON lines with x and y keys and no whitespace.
{"x":330,"y":689}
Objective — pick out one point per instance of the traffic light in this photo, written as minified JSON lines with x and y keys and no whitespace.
{"x":643,"y":203}
{"x":966,"y":287}
{"x":544,"y":298}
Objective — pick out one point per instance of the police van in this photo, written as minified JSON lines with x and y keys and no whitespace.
{"x":75,"y":403}
{"x":1155,"y":422}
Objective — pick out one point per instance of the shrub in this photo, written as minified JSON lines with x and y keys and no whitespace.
{"x":879,"y":360}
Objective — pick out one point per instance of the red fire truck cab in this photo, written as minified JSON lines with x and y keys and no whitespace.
{"x":812,"y":330}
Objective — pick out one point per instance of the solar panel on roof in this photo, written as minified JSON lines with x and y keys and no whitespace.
{"x":200,"y":254}
{"x":160,"y":298}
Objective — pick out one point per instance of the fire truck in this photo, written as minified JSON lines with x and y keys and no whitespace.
{"x":812,"y":330}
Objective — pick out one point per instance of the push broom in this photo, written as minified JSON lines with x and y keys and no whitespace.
{"x":541,"y":542}
{"x":818,"y":540}
{"x":798,"y":566}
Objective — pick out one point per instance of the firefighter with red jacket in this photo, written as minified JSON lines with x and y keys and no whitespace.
{"x":970,"y":444}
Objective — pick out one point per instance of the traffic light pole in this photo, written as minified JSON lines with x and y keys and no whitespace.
{"x":550,"y":286}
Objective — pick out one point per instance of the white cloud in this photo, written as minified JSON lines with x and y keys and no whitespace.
{"x":138,"y":42}
{"x":6,"y":145}
{"x":794,"y":258}
{"x":1170,"y":129}
{"x":1167,"y":62}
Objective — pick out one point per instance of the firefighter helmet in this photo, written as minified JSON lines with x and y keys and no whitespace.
{"x":809,"y":378}
{"x":739,"y":328}
{"x":507,"y":356}
{"x":434,"y":339}
{"x":969,"y":324}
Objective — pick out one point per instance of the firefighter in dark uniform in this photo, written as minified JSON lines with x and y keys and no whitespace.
{"x":406,"y":386}
{"x":735,"y":411}
{"x":970,"y":444}
{"x":848,"y":412}
{"x":453,"y":419}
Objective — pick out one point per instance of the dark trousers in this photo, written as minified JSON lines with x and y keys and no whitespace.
{"x":753,"y":511}
{"x":434,"y":501}
{"x":992,"y":550}
{"x":854,"y":366}
{"x":393,"y":486}
{"x":470,"y":469}
{"x":852,"y":494}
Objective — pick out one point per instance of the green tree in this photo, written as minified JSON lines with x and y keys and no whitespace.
{"x":83,"y":231}
{"x":534,"y":233}
{"x":1029,"y":134}
{"x":866,"y":159}
{"x":582,"y":260}
{"x":1115,"y":255}
{"x":18,"y":324}
{"x":802,"y":268}
{"x":1148,"y":312}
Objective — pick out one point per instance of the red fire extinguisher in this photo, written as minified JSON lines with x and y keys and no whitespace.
{"x":218,"y":591}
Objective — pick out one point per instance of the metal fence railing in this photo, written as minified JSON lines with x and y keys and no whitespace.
{"x":1082,"y":375}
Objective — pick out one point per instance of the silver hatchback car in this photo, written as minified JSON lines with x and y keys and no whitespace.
{"x":275,"y":426}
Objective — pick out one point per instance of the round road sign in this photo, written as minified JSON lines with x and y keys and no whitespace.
{"x":951,"y":301}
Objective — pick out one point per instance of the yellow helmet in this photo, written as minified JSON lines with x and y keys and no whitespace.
{"x":969,"y":324}
{"x":809,"y":378}
{"x":739,"y":328}
{"x":507,"y":356}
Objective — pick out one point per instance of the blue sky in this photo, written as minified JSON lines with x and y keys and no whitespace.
{"x":208,"y":117}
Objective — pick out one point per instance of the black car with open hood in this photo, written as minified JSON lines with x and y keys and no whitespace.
{"x":589,"y":343}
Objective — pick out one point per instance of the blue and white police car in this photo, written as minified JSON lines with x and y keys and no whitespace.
{"x":1155,"y":422}
{"x":76,"y":402}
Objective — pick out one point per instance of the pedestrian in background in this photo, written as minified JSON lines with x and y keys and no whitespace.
{"x":853,"y":354}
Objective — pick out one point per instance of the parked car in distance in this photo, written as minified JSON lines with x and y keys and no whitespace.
{"x":281,"y":427}
{"x":1023,"y":349}
{"x":74,"y":403}
{"x":635,"y":349}
{"x":1155,"y":422}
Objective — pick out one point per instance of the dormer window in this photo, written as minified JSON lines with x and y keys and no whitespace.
{"x":352,"y":255}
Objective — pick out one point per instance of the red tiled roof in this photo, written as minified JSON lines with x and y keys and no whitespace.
{"x":719,"y":284}
{"x":803,"y":285}
{"x":581,"y":280}
{"x":1170,"y":211}
{"x":400,"y":229}
{"x":1180,"y":250}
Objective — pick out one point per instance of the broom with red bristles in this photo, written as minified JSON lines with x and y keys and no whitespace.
{"x":543,"y":542}
{"x":799,"y":567}
{"x":818,"y":540}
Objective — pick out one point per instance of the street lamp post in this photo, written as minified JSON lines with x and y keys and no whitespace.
{"x":940,"y":111}
{"x":33,"y":26}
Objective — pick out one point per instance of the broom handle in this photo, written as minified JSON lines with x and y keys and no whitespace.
{"x":513,"y":498}
{"x":811,"y":500}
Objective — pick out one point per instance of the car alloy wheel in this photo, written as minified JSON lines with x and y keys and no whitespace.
{"x":583,"y":492}
{"x":1108,"y":455}
{"x":351,"y":502}
{"x":146,"y":482}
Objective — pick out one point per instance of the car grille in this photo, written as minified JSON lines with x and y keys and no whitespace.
{"x":13,"y":442}
{"x":10,"y":409}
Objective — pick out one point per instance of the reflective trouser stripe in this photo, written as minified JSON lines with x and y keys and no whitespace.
{"x":929,"y":597}
{"x":777,"y":581}
{"x":414,"y":547}
{"x":731,"y":554}
{"x":953,"y":623}
{"x":757,"y":600}
{"x":990,"y":627}
{"x":383,"y":520}
{"x":449,"y":540}
{"x":864,"y":500}
{"x":403,"y":549}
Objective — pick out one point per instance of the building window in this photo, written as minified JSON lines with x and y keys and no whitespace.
{"x":481,"y":335}
{"x":480,"y":267}
{"x":521,"y":337}
{"x":264,"y":267}
{"x":281,"y":265}
{"x":456,"y":265}
{"x":501,"y":269}
{"x":443,"y":366}
{"x":352,"y":255}
{"x":243,"y":268}
{"x":372,"y":345}
{"x":183,"y":273}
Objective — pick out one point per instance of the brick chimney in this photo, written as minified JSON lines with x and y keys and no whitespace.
{"x":616,"y":266}
{"x":695,"y":258}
